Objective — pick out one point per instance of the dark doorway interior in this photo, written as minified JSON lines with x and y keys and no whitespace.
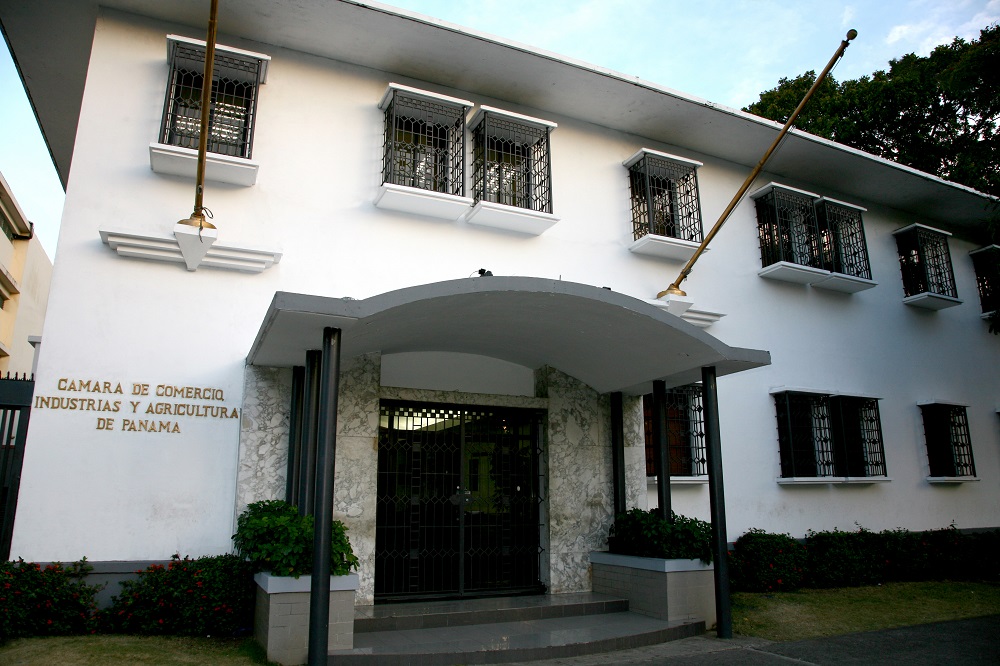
{"x":458,"y":501}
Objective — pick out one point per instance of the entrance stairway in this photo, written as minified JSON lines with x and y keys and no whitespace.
{"x":502,"y":630}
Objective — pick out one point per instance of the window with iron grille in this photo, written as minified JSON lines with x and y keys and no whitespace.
{"x":949,"y":448}
{"x":424,"y":142}
{"x":788,"y":228}
{"x":821,"y":435}
{"x":842,"y":239}
{"x":925,"y":261}
{"x":986,"y":262}
{"x":235,"y":79}
{"x":664,"y":197}
{"x":685,"y":432}
{"x":511,"y":161}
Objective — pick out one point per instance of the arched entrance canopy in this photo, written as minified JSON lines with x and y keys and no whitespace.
{"x":608,"y":340}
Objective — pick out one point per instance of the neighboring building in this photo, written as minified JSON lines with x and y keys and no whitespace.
{"x":25,"y":273}
{"x":366,"y":163}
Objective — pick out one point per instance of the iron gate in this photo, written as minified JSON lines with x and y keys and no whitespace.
{"x":15,"y":405}
{"x":458,"y":501}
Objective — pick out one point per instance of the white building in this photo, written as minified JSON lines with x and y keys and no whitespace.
{"x":373,"y":161}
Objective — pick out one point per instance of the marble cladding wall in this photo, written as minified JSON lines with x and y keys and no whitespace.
{"x":580,"y":494}
{"x":453,"y":398}
{"x":263,"y":457}
{"x":636,"y":495}
{"x":356,"y":479}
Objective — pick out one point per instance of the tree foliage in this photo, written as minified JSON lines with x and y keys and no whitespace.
{"x":938,"y":113}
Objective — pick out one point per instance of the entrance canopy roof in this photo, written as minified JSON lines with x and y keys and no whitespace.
{"x":610,"y":341}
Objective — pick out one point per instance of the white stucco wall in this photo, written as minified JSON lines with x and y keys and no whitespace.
{"x":132,"y":495}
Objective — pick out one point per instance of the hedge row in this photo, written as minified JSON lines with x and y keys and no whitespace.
{"x":209,"y":596}
{"x":762,"y":561}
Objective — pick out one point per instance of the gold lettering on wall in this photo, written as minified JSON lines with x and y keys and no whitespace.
{"x":155,"y":408}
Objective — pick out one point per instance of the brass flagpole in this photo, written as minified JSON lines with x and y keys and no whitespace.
{"x":675,"y":288}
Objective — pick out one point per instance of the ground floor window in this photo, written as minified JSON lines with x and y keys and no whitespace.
{"x":458,"y":501}
{"x":685,"y":432}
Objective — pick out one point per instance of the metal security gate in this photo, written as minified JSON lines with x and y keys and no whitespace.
{"x":15,"y":405}
{"x":458,"y":501}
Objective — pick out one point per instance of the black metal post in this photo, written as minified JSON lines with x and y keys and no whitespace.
{"x":660,"y":441}
{"x":319,"y":596}
{"x":618,"y":451}
{"x":307,"y":465}
{"x":716,"y":493}
{"x":295,"y":421}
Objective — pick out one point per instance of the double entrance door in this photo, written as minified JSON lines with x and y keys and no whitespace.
{"x":458,"y":501}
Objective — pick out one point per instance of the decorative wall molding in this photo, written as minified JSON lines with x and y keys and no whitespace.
{"x":187,"y":246}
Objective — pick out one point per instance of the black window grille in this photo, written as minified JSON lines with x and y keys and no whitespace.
{"x":925,"y":262}
{"x":949,"y":448}
{"x":665,"y":199}
{"x":822,"y":435}
{"x":234,"y":101}
{"x":511,"y":163}
{"x":986,"y":263}
{"x":788,"y":229}
{"x":424,"y":144}
{"x":843,"y":239}
{"x":685,"y":432}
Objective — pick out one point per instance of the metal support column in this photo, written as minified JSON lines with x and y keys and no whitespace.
{"x":618,"y":452}
{"x":660,"y":441}
{"x":716,"y":493}
{"x":319,"y":596}
{"x":310,"y":413}
{"x":295,"y":422}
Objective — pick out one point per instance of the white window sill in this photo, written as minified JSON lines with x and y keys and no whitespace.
{"x":786,"y":271}
{"x":679,"y":481}
{"x":846,"y":284}
{"x":664,"y":247}
{"x":832,"y":480}
{"x":929,"y":301}
{"x":510,"y":218}
{"x":422,"y":202}
{"x":945,"y":480}
{"x":178,"y":161}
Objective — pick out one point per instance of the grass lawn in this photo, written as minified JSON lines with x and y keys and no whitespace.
{"x":789,"y":616}
{"x":102,"y":650}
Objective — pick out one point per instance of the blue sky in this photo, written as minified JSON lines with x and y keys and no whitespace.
{"x":725,"y":51}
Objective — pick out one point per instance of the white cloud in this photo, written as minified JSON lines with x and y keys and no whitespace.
{"x":847,"y":16}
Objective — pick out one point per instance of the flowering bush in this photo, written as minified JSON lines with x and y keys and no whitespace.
{"x":761,"y":562}
{"x":208,"y":596}
{"x":50,"y":601}
{"x":645,"y":534}
{"x":275,"y":538}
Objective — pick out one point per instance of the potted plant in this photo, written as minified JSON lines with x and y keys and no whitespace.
{"x":278,"y":542}
{"x":663,"y":567}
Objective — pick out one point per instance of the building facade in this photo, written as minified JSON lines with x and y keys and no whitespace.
{"x":491,"y":241}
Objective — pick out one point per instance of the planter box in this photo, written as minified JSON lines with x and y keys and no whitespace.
{"x":664,"y":589}
{"x":281,"y":616}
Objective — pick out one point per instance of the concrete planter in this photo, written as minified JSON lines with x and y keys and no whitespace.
{"x":281,"y":615}
{"x":664,"y":589}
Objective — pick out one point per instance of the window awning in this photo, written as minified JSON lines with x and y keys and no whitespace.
{"x":610,"y":341}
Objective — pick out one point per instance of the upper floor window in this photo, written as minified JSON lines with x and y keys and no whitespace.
{"x":236,"y":77}
{"x":424,"y":140}
{"x":511,"y":160}
{"x":823,"y":435}
{"x":986,"y":262}
{"x":949,"y":447}
{"x":925,"y":262}
{"x":810,"y":239}
{"x":664,"y":191}
{"x":685,"y":432}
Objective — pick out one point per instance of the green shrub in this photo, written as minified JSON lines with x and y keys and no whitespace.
{"x":45,"y":602}
{"x":208,"y":596}
{"x":845,"y":559}
{"x":761,"y":561}
{"x":645,"y":534}
{"x":275,"y":538}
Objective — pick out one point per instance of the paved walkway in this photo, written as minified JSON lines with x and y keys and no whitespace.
{"x":963,"y":642}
